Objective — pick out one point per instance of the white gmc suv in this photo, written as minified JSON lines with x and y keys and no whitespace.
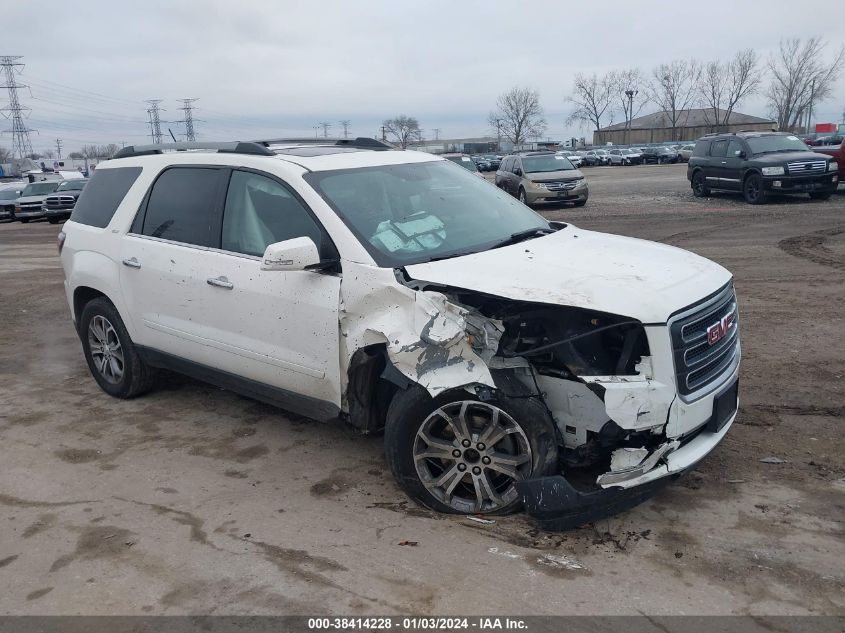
{"x":509,"y":361}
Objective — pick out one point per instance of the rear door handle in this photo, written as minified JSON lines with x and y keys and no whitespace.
{"x":220,"y":282}
{"x":132,"y":263}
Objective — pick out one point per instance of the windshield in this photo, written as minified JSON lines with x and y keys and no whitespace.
{"x":776,"y":143}
{"x":9,"y":194}
{"x":71,"y":185}
{"x":552,"y":162}
{"x":463,"y":161}
{"x":412,"y":213}
{"x":39,"y":188}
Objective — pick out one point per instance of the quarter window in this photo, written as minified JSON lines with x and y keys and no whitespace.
{"x":261,"y":211}
{"x":733,"y":148}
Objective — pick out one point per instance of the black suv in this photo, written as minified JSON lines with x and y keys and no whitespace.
{"x":760,"y":163}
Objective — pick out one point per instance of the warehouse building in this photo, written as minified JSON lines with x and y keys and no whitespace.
{"x":691,"y":124}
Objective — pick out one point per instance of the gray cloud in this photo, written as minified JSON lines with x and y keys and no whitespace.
{"x":277,"y":68}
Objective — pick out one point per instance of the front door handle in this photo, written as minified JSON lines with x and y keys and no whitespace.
{"x":132,"y":263}
{"x":220,"y":282}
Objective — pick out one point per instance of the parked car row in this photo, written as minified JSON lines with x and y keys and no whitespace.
{"x":486,"y":162}
{"x":52,"y":200}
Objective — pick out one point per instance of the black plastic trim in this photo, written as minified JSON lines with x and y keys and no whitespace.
{"x":276,"y":396}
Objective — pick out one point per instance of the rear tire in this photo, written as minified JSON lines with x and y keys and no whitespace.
{"x":752,"y":189}
{"x":456,"y":454}
{"x":111,"y":355}
{"x":699,"y":185}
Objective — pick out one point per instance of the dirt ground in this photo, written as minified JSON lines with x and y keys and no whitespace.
{"x":195,"y":500}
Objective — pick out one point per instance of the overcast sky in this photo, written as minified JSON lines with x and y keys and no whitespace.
{"x":277,"y":68}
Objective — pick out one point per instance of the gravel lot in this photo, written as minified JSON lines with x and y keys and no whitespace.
{"x":195,"y":500}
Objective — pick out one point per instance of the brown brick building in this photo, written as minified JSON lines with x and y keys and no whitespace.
{"x":691,"y":124}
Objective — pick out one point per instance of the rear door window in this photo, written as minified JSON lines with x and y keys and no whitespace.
{"x":183,"y":206}
{"x":719,"y":149}
{"x":103,"y":194}
{"x":733,"y":148}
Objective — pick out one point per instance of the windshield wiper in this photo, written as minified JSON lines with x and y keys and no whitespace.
{"x":521,"y":236}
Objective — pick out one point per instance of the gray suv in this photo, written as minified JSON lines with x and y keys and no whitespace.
{"x":542,"y":178}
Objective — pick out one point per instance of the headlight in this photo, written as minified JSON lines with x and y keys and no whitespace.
{"x":538,"y":185}
{"x":833,"y":166}
{"x":773,"y":171}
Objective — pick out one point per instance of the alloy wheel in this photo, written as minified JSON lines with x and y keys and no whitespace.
{"x":106,"y":350}
{"x":469,"y":455}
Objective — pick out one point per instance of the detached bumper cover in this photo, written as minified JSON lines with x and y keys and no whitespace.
{"x":558,"y":506}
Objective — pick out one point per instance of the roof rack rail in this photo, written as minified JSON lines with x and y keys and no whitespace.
{"x":232,"y":147}
{"x":362,"y":142}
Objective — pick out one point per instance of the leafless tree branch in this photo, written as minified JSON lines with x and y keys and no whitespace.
{"x":673,"y":89}
{"x":518,"y":115}
{"x":723,"y":85}
{"x":404,"y":129}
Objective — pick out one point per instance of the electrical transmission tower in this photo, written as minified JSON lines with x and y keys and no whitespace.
{"x":345,"y":125}
{"x":21,"y":145}
{"x":155,"y":120}
{"x":325,"y":125}
{"x":188,"y":109}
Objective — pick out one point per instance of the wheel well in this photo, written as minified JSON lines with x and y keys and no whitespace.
{"x":82,"y":296}
{"x":373,"y":381}
{"x":750,"y":172}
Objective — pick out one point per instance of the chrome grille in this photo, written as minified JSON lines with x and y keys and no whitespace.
{"x":807,"y":167}
{"x":561,"y":185}
{"x":60,"y":202}
{"x":698,"y":362}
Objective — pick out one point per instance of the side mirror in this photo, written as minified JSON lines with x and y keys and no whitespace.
{"x":517,"y":171}
{"x":295,"y":254}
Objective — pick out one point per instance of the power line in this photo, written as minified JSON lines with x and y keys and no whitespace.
{"x":155,"y":120}
{"x":345,"y":125}
{"x":187,"y":108}
{"x":21,"y":145}
{"x":325,"y":125}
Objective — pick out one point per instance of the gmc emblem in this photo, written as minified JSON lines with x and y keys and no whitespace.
{"x":718,"y":330}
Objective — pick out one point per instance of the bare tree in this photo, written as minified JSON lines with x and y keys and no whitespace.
{"x":33,"y":156}
{"x":518,"y":115}
{"x":76,"y":155}
{"x":5,"y":156}
{"x":800,"y":77}
{"x":404,"y":129}
{"x":593,"y":97}
{"x":723,"y":85}
{"x":107,"y":151}
{"x":673,"y":89}
{"x":629,"y":92}
{"x":48,"y":154}
{"x":90,"y":151}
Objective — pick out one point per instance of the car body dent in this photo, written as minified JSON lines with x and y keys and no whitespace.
{"x":426,"y":336}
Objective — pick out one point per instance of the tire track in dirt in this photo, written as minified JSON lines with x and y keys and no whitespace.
{"x":811,"y":247}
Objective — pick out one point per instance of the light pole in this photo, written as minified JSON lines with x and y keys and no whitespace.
{"x":630,"y":114}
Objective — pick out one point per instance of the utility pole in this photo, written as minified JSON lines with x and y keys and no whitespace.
{"x":188,"y":120}
{"x":437,"y":134}
{"x":629,"y":114}
{"x":155,"y":120}
{"x":316,"y":127}
{"x":383,"y":133}
{"x":345,"y":125}
{"x":21,"y":145}
{"x":498,"y":135}
{"x":325,"y":125}
{"x":810,"y":110}
{"x":59,"y":148}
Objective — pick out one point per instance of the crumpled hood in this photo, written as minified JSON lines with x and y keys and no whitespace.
{"x":573,"y":267}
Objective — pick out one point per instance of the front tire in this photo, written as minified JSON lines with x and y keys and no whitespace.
{"x":752,"y":189}
{"x":111,"y":355}
{"x":459,"y":455}
{"x":522,"y":198}
{"x":820,"y":195}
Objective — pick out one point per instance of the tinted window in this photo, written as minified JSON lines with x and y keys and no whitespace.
{"x":71,"y":185}
{"x":701,"y":148}
{"x":260,"y":211}
{"x":539,"y":164}
{"x":719,"y":149}
{"x":776,"y":143}
{"x":181,"y":206}
{"x":733,"y":148}
{"x":102,"y":195}
{"x":39,"y":188}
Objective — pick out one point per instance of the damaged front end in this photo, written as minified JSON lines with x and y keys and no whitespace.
{"x":607,"y":382}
